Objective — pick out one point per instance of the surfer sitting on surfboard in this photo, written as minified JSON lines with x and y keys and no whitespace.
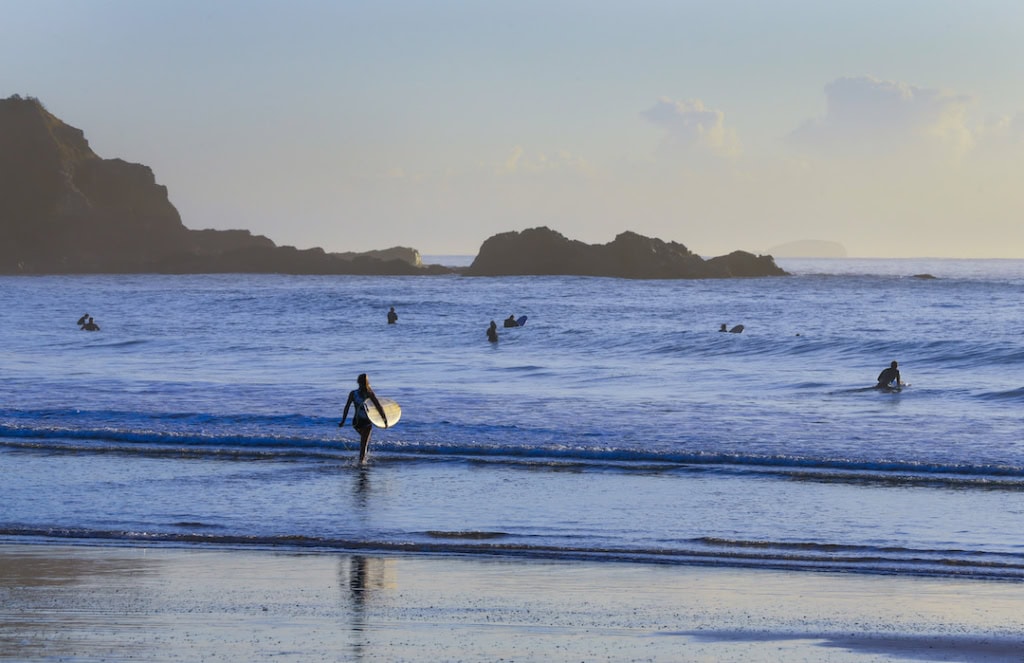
{"x":510,"y":321}
{"x":360,"y":421}
{"x":888,"y":376}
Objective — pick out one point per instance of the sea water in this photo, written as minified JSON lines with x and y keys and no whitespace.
{"x":617,"y":424}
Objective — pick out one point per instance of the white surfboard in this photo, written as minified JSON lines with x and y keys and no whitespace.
{"x":390,"y":407}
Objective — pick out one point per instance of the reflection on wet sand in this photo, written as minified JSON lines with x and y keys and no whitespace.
{"x":50,"y":602}
{"x":359,"y":578}
{"x":35,"y":567}
{"x":190,"y":604}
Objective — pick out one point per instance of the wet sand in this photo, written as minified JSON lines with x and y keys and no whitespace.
{"x":87,"y":603}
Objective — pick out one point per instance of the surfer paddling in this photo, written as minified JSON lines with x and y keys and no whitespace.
{"x":888,"y":376}
{"x":360,"y":421}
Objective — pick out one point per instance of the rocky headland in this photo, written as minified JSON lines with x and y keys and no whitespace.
{"x":65,"y":210}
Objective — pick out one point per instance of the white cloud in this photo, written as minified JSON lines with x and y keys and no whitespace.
{"x":1002,"y":134}
{"x":519,"y":161}
{"x":866,"y":116}
{"x":692,"y":128}
{"x":511,"y":164}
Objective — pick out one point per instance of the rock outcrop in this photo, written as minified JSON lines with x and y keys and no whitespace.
{"x":403,"y":253}
{"x":63,"y":209}
{"x":540,"y":251}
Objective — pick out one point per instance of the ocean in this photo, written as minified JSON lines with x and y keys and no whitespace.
{"x":618,"y":424}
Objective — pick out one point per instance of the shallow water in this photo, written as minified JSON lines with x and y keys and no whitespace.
{"x":617,"y":424}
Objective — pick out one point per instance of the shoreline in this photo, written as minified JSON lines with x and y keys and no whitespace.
{"x":161,"y":603}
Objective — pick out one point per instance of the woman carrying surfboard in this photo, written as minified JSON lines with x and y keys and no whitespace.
{"x":360,"y":421}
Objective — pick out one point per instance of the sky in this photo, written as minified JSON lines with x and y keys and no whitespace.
{"x":895,"y":127}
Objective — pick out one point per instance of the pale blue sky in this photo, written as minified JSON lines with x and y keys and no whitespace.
{"x":895,"y":128}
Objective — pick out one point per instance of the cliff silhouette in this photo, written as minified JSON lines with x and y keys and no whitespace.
{"x":63,"y":209}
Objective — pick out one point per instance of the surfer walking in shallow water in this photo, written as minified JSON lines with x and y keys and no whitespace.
{"x":360,"y":421}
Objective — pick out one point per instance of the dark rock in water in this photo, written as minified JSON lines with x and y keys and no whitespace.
{"x":63,"y":209}
{"x":741,"y":263}
{"x":403,"y":253}
{"x":924,"y":276}
{"x":542,"y":251}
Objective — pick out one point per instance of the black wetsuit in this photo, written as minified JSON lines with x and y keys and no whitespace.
{"x":888,"y":376}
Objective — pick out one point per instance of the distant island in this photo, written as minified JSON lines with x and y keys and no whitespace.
{"x":542,"y":251}
{"x":65,"y":210}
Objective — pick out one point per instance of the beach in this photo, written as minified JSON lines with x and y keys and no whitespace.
{"x":114,"y":603}
{"x":651,"y":490}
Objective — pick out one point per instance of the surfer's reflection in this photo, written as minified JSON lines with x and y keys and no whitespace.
{"x":357,"y":589}
{"x":362,"y":576}
{"x":361,"y":487}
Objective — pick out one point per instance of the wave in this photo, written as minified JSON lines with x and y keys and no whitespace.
{"x":74,"y":440}
{"x":803,"y":556}
{"x":599,"y":456}
{"x":947,"y":354}
{"x":1012,"y":395}
{"x":179,"y":418}
{"x":120,"y":344}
